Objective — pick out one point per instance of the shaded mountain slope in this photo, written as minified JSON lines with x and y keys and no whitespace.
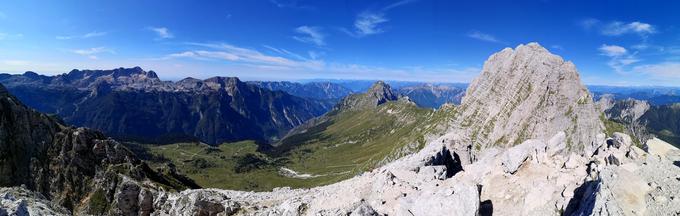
{"x":77,"y":168}
{"x":133,"y":104}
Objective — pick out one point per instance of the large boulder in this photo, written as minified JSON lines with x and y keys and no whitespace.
{"x":621,"y":140}
{"x":513,"y":158}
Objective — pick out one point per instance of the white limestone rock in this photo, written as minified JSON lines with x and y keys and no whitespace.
{"x":529,"y":93}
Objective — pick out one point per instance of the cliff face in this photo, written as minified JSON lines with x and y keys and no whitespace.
{"x":529,"y":93}
{"x":66,"y":165}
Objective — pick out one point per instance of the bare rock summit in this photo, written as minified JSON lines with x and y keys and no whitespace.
{"x":529,"y":93}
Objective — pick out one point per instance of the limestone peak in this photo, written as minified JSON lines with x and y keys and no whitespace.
{"x":529,"y":93}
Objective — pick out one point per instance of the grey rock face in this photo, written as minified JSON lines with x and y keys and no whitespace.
{"x":629,"y":113}
{"x":17,"y":201}
{"x":621,"y":140}
{"x":529,"y":93}
{"x":74,"y":167}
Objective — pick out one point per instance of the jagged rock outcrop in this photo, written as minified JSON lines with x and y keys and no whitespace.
{"x":628,"y":113}
{"x":378,"y":94}
{"x":529,"y":93}
{"x":77,"y":168}
{"x":133,"y":104}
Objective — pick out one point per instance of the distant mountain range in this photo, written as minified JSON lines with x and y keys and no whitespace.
{"x":314,"y":90}
{"x":133,"y":104}
{"x":655,"y":95}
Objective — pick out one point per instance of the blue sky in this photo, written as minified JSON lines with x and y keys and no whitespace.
{"x":611,"y":42}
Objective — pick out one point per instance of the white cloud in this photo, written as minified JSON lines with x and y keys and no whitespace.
{"x":612,"y":50}
{"x":163,"y":32}
{"x":620,"y":28}
{"x":619,"y":58}
{"x":227,"y":52}
{"x":86,"y":35}
{"x":483,"y":37}
{"x":367,"y":23}
{"x":92,"y":52}
{"x":311,"y":35}
{"x":664,"y":70}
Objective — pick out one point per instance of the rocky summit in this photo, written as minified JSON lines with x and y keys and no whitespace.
{"x":529,"y":93}
{"x":527,"y":140}
{"x":379,"y":93}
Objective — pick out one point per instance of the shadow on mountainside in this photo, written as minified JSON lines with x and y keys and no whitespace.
{"x":676,"y":163}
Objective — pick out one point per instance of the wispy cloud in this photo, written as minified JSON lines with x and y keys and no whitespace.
{"x":619,"y":57}
{"x":284,"y":63}
{"x":310,"y":34}
{"x":369,"y":22}
{"x":483,"y":37}
{"x":294,"y":4}
{"x":660,"y":71}
{"x":162,"y":32}
{"x":285,"y":52}
{"x":617,"y":28}
{"x":83,"y":36}
{"x":231,"y":53}
{"x":8,"y":36}
{"x":397,"y":4}
{"x":92,"y":52}
{"x":612,"y":50}
{"x":589,"y":23}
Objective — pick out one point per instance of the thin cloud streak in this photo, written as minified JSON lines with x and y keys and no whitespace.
{"x":311,"y":35}
{"x":162,"y":32}
{"x":484,"y":37}
{"x":86,"y":35}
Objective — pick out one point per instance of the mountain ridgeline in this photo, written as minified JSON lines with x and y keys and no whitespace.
{"x":133,"y":104}
{"x":315,"y":90}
